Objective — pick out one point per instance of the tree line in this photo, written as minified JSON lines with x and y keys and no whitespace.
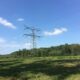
{"x":62,"y":50}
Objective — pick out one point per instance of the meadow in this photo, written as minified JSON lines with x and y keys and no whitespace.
{"x":40,"y":68}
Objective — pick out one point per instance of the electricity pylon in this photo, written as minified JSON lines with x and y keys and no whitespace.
{"x":33,"y":35}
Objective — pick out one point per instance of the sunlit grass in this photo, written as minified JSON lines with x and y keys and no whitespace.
{"x":40,"y":68}
{"x":74,"y":77}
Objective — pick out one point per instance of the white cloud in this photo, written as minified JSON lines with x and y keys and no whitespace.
{"x":2,"y":40}
{"x":27,"y":45}
{"x":15,"y":45}
{"x":56,"y":31}
{"x":20,"y":19}
{"x":8,"y":47}
{"x":6,"y":23}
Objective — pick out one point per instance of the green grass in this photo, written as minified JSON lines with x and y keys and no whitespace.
{"x":40,"y":68}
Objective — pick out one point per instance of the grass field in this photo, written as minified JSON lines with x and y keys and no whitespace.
{"x":40,"y":68}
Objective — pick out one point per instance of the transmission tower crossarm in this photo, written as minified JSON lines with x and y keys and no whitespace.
{"x":28,"y":34}
{"x":34,"y":29}
{"x":31,"y":35}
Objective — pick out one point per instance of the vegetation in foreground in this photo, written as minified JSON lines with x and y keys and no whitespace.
{"x":40,"y":68}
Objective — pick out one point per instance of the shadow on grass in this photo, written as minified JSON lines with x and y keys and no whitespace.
{"x":45,"y":67}
{"x":8,"y":63}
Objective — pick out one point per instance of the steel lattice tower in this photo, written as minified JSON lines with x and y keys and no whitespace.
{"x":33,"y":35}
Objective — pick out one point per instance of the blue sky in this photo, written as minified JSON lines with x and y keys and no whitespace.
{"x":59,"y":21}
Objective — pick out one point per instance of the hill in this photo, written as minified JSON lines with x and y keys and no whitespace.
{"x":62,"y":50}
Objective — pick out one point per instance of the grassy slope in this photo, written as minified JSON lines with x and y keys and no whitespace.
{"x":40,"y":68}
